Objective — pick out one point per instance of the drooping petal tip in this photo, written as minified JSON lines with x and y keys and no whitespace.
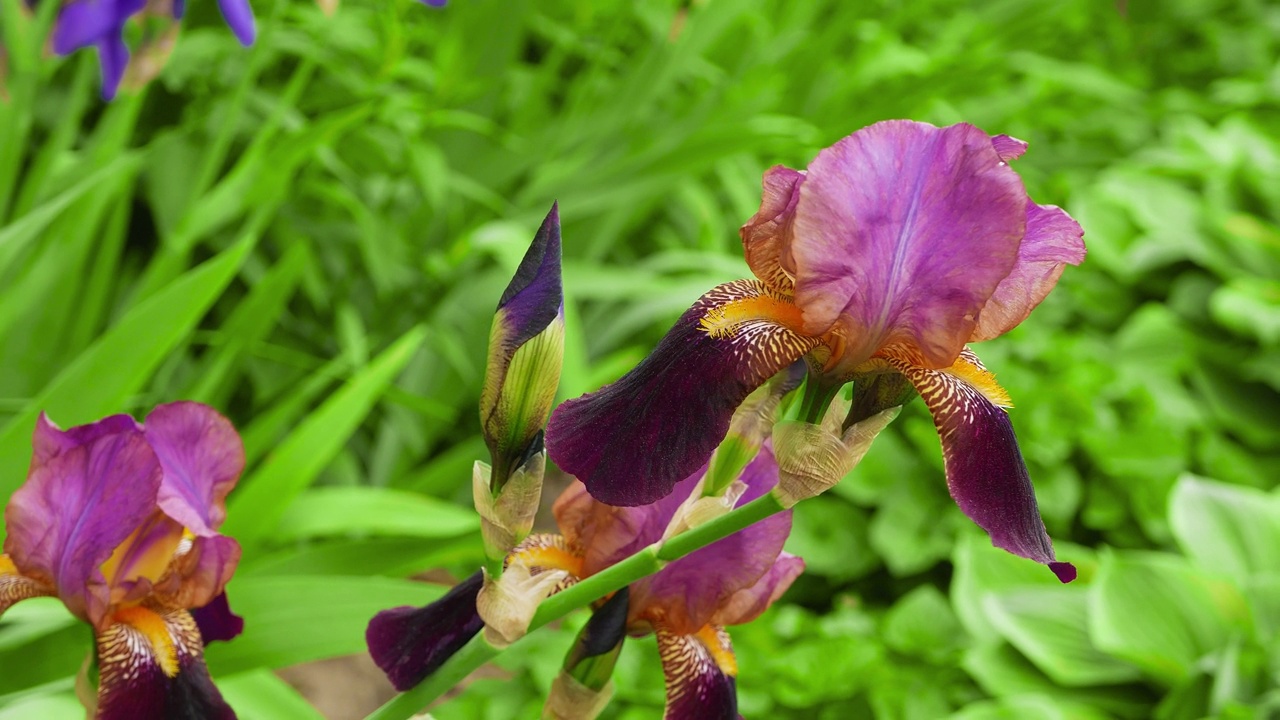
{"x":217,"y":622}
{"x":1065,"y":571}
{"x":986,"y":474}
{"x":409,"y":643}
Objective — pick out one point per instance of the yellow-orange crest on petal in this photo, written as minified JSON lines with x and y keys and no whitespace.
{"x":717,"y":642}
{"x":154,"y":629}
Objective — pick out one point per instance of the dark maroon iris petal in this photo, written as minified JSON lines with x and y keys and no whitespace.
{"x":216,"y":621}
{"x":632,"y":441}
{"x":134,"y":684}
{"x":410,"y":643}
{"x":697,"y":687}
{"x":985,"y":471}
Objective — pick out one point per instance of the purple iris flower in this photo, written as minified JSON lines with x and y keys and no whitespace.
{"x":100,"y":23}
{"x":899,"y":245}
{"x":687,"y":604}
{"x":119,"y":521}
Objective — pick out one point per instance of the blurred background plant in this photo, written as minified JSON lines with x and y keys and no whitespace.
{"x":311,"y":235}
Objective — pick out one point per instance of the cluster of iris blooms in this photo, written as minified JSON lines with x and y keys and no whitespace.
{"x":899,"y":245}
{"x":875,"y":267}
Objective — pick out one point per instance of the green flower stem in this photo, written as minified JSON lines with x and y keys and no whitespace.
{"x":642,"y":564}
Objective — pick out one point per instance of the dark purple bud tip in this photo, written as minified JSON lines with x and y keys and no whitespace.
{"x":410,"y":643}
{"x":535,"y":295}
{"x":1065,"y":571}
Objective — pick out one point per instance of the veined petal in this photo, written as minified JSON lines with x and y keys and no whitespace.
{"x":766,"y":237}
{"x":216,"y":621}
{"x":985,"y":471}
{"x":239,"y":17}
{"x":1052,"y":242}
{"x":202,"y":457}
{"x":15,"y":586}
{"x":700,"y":671}
{"x":1008,"y":147}
{"x":902,"y":232}
{"x":48,"y":439}
{"x":748,"y":603}
{"x":538,"y":568}
{"x":632,"y":441}
{"x":688,"y":592}
{"x":151,"y":665}
{"x":410,"y":643}
{"x":139,"y":562}
{"x":75,"y":509}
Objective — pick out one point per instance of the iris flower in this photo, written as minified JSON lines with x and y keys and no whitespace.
{"x":897,"y":247}
{"x":687,"y":604}
{"x":100,"y":23}
{"x":119,"y":521}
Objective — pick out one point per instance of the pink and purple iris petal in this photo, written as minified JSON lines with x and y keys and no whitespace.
{"x":902,"y":232}
{"x":239,"y":17}
{"x":216,"y":621}
{"x":144,"y":674}
{"x":766,"y":237}
{"x":698,"y":688}
{"x":534,"y":297}
{"x":690,"y":591}
{"x":1052,"y":242}
{"x":985,"y":471}
{"x":748,"y":603}
{"x":632,"y":441}
{"x":202,"y":457}
{"x":410,"y":643}
{"x":76,"y":507}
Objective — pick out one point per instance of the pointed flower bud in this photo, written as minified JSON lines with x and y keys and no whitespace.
{"x":813,"y":458}
{"x":584,"y":686}
{"x":507,"y":518}
{"x":526,"y":348}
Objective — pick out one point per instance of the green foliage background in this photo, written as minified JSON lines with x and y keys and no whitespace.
{"x":311,"y":235}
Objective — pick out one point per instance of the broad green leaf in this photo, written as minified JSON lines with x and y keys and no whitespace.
{"x":1227,"y":529}
{"x":1002,"y":671}
{"x":257,"y":507}
{"x":922,"y":624}
{"x":299,"y":619}
{"x":1161,"y":614}
{"x":359,"y":510}
{"x":1029,"y":707}
{"x":1050,"y":626}
{"x":18,"y":234}
{"x":980,"y":569}
{"x":101,"y":380}
{"x":59,"y":706}
{"x":260,"y":694}
{"x":394,"y":557}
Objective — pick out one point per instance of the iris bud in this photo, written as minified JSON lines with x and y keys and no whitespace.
{"x":526,"y":349}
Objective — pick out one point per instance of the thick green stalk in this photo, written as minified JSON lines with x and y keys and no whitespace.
{"x":642,"y":564}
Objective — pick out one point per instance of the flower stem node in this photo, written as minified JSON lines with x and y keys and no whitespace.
{"x":813,"y":458}
{"x":698,"y":509}
{"x":507,"y":517}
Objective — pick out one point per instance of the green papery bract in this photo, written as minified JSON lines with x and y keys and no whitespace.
{"x":518,"y":394}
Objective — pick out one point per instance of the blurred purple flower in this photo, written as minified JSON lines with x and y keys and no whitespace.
{"x":900,"y":244}
{"x":119,"y":521}
{"x":100,"y":23}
